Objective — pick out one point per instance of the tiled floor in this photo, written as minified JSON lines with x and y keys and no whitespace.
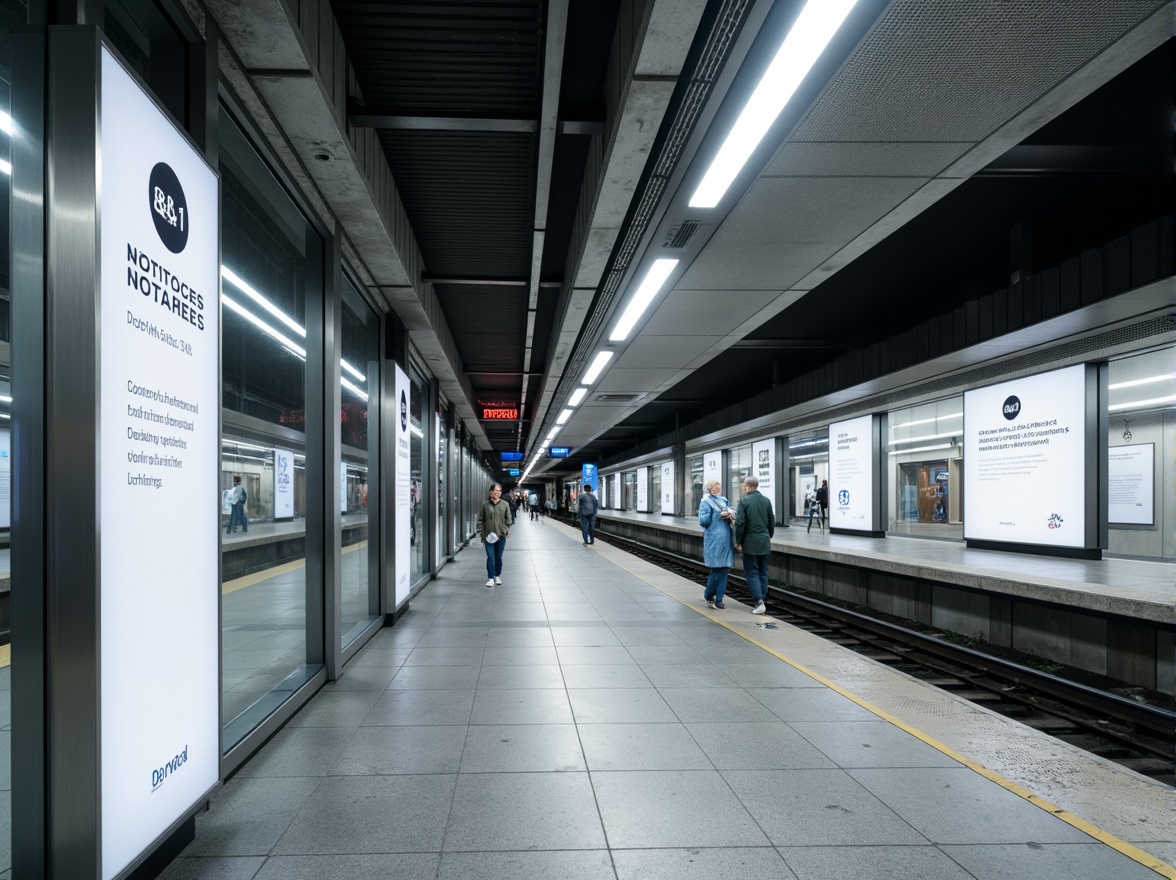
{"x":580,"y":724}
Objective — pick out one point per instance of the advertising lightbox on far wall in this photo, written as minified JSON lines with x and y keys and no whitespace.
{"x":643,"y":490}
{"x":712,"y":469}
{"x":854,"y":471}
{"x":283,"y":484}
{"x":667,"y":488}
{"x":402,"y":464}
{"x":1028,"y":464}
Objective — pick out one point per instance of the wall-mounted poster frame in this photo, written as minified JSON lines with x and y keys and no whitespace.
{"x":856,"y":476}
{"x":1131,"y":485}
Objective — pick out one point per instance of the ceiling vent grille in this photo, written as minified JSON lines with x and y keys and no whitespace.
{"x":680,"y":233}
{"x":616,"y":398}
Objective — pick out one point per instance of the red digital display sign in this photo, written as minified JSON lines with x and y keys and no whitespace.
{"x":500,"y":413}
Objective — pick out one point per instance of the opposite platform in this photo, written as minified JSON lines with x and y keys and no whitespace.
{"x":590,"y":718}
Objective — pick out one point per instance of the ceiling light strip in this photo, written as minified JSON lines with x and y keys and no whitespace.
{"x":649,"y":288}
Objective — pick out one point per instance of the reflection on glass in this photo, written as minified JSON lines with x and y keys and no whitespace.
{"x":696,"y":481}
{"x":266,"y":269}
{"x":416,"y":428}
{"x":629,"y":491}
{"x":924,"y":448}
{"x":359,"y":380}
{"x":738,"y":468}
{"x":808,"y":457}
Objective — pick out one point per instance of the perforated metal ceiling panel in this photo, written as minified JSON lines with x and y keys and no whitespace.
{"x":863,"y":160}
{"x":705,"y":312}
{"x":955,"y":70}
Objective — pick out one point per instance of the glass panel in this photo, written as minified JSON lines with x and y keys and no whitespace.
{"x":442,"y":507}
{"x":268,"y":265}
{"x":655,"y":489}
{"x":696,"y":482}
{"x":808,"y":468}
{"x":739,"y":466}
{"x":925,"y":452}
{"x":416,"y":536}
{"x":629,"y":491}
{"x":360,"y":448}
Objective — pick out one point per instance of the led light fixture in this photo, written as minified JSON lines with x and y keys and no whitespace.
{"x":598,"y":364}
{"x":922,"y":449}
{"x":233,"y":278}
{"x":5,"y":167}
{"x":551,"y":434}
{"x":5,"y":123}
{"x":563,"y":417}
{"x":927,"y":421}
{"x":926,"y":437}
{"x":235,"y":306}
{"x":814,"y":28}
{"x":350,"y":386}
{"x":1134,"y":404}
{"x":577,"y":396}
{"x":649,"y":288}
{"x":1146,"y":381}
{"x":354,"y":372}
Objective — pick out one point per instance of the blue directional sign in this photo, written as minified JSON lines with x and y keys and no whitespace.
{"x":512,"y":472}
{"x":512,"y":456}
{"x":589,"y":474}
{"x":559,"y":451}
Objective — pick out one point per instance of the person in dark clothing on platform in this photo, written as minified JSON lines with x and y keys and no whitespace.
{"x":588,"y":506}
{"x":755,"y":523}
{"x":822,"y":503}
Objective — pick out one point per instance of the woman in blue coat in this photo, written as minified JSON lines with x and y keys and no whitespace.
{"x":716,"y":518}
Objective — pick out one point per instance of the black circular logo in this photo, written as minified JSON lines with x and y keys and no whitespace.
{"x":1012,"y":407}
{"x":403,"y":412}
{"x":169,"y":208}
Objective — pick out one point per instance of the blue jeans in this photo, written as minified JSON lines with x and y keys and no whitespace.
{"x":494,"y":557}
{"x":237,"y":516}
{"x":716,"y":584}
{"x":588,"y":529}
{"x":815,"y":510}
{"x":755,"y":569}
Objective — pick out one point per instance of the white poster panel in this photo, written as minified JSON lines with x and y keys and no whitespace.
{"x":763,"y":465}
{"x":5,"y":479}
{"x":712,"y":469}
{"x":603,"y":493}
{"x":667,"y":487}
{"x":342,"y":487}
{"x":403,"y":479}
{"x":283,"y":484}
{"x":643,"y":490}
{"x":851,"y":474}
{"x":1024,"y":460}
{"x":616,"y":491}
{"x":1131,"y":484}
{"x":158,"y":471}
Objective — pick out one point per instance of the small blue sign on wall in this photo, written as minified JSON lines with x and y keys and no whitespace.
{"x":513,"y":472}
{"x":559,"y":451}
{"x":588,"y":472}
{"x":512,"y":456}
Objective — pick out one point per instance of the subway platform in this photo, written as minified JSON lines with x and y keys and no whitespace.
{"x":592,"y":718}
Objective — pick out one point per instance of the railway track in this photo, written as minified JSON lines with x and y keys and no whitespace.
{"x":1122,"y":729}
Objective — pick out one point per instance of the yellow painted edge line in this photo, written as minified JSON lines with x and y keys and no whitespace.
{"x":1132,"y":852}
{"x":285,"y":568}
{"x":5,"y":655}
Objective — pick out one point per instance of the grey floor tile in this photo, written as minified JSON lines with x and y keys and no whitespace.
{"x":693,"y":675}
{"x":646,"y":636}
{"x":625,"y":676}
{"x":451,"y":656}
{"x":665,"y":655}
{"x":390,"y":658}
{"x":363,"y":678}
{"x":818,"y":808}
{"x":809,"y":704}
{"x":757,"y":745}
{"x":371,"y":814}
{"x":522,"y":748}
{"x":216,"y":868}
{"x":759,"y":863}
{"x":406,"y":866}
{"x":518,"y":637}
{"x":585,"y":655}
{"x":645,"y":809}
{"x":532,"y":706}
{"x":620,"y":706}
{"x":523,"y":811}
{"x":520,"y":677}
{"x":770,"y":672}
{"x":248,"y":816}
{"x":436,"y":678}
{"x":960,"y":806}
{"x":580,"y":865}
{"x":641,"y":747}
{"x":1066,"y":861}
{"x":382,"y":751}
{"x":853,"y":744}
{"x":336,"y":709}
{"x":298,"y":751}
{"x":905,"y":862}
{"x":402,"y":708}
{"x":521,"y":655}
{"x":715,"y":704}
{"x":585,"y":636}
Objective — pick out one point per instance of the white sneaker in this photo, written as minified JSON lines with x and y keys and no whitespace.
{"x":490,"y":582}
{"x":759,"y":609}
{"x":498,"y":581}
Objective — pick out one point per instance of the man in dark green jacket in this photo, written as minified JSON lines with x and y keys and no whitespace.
{"x":755,"y":523}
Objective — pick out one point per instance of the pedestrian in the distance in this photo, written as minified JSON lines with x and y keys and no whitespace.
{"x":494,"y":521}
{"x":588,"y":507}
{"x":237,"y":498}
{"x":823,"y":503}
{"x":755,"y":523}
{"x":716,"y":519}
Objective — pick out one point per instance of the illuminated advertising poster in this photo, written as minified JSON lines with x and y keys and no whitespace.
{"x":1024,"y":460}
{"x":712,"y":468}
{"x":667,"y":487}
{"x":5,"y":479}
{"x":158,"y":470}
{"x":283,"y":484}
{"x":403,"y":478}
{"x":643,"y":490}
{"x":342,"y":487}
{"x":602,"y":491}
{"x":1130,"y":474}
{"x":588,"y":474}
{"x":763,"y":465}
{"x":616,"y":490}
{"x":851,"y":474}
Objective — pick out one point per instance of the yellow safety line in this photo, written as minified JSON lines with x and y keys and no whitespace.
{"x":285,"y":568}
{"x":5,"y":655}
{"x":1132,"y":852}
